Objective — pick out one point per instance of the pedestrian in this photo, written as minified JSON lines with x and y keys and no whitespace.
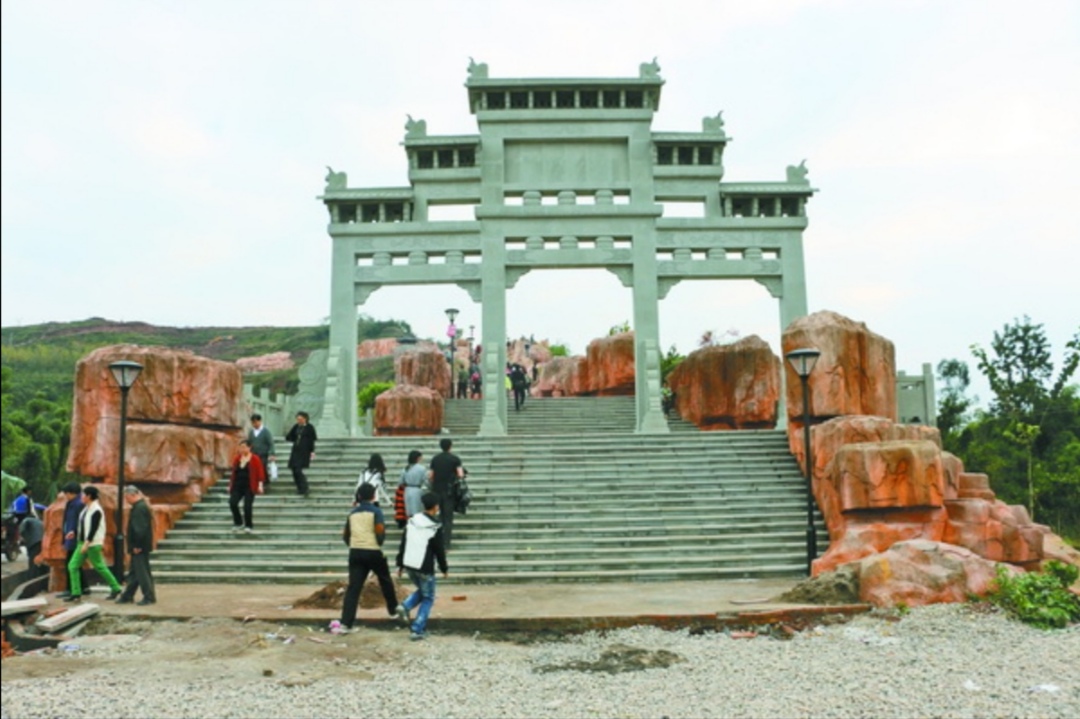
{"x":519,"y":381}
{"x":476,"y":384}
{"x":364,"y":534}
{"x":421,"y":548}
{"x":413,"y":479}
{"x":375,"y":475}
{"x":245,"y":481}
{"x":31,"y":532}
{"x":262,"y":444}
{"x":140,"y":544}
{"x":70,"y":528}
{"x":443,"y":474}
{"x":90,"y":538}
{"x":23,"y":506}
{"x":462,"y":386}
{"x":303,"y":437}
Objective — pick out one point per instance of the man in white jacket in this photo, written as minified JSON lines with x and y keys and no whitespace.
{"x":421,"y":548}
{"x":89,"y":540}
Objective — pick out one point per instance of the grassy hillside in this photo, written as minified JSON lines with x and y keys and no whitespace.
{"x":42,"y":357}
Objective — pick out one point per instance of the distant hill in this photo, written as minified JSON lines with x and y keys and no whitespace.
{"x":42,"y":357}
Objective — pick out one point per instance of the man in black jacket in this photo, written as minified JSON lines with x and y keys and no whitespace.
{"x":140,"y":544}
{"x":303,"y":437}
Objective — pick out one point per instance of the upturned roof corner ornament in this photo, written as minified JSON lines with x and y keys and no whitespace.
{"x":713,"y":125}
{"x":415,"y":128}
{"x":797,"y":173}
{"x":335,"y":180}
{"x":477,"y":70}
{"x":649,"y":69}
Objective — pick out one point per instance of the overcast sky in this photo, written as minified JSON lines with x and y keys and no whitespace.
{"x":161,"y":160}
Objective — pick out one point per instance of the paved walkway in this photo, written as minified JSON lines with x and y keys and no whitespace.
{"x":508,"y":607}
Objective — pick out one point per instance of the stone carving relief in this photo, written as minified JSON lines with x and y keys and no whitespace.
{"x":664,"y":286}
{"x":774,"y":285}
{"x":335,"y":180}
{"x":312,"y":391}
{"x":513,"y":274}
{"x":474,"y":289}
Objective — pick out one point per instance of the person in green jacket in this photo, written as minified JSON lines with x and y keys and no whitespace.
{"x":140,"y":544}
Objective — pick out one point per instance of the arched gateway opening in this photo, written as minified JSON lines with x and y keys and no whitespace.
{"x":563,"y":173}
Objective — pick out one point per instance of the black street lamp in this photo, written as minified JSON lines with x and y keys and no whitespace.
{"x":452,"y":332}
{"x":803,"y":361}
{"x":125,"y":372}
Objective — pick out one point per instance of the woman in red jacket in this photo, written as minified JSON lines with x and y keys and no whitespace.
{"x":247,"y":479}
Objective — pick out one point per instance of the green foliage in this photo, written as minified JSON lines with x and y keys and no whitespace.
{"x":953,"y":403}
{"x":619,"y":329}
{"x":376,"y":369}
{"x":559,"y":350}
{"x":1039,"y":598}
{"x":1029,"y":440}
{"x":365,"y":398}
{"x":669,"y":362}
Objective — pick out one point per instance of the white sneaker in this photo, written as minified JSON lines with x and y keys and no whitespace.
{"x":238,"y":528}
{"x":402,"y":614}
{"x":248,"y":530}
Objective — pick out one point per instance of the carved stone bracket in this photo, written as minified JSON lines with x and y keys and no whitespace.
{"x":664,"y":285}
{"x":774,"y":285}
{"x":473,"y":287}
{"x":625,"y":275}
{"x":364,"y":291}
{"x":513,"y":274}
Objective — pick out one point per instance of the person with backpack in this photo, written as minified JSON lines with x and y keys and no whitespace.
{"x":364,"y":534}
{"x":519,"y":381}
{"x":421,"y":549}
{"x":375,"y":475}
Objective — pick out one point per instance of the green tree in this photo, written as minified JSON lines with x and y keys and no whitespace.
{"x":1029,"y":401}
{"x":953,"y":402}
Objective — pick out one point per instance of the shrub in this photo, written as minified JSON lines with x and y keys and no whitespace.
{"x":365,"y":398}
{"x":1039,"y":598}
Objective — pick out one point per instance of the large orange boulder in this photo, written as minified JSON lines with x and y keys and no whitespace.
{"x":408,"y":410}
{"x":160,"y":453}
{"x":175,"y":386}
{"x":609,"y":366}
{"x":919,"y":572}
{"x":370,"y":349}
{"x":875,"y":475}
{"x":559,"y":377}
{"x":423,"y":366}
{"x":855,"y":374}
{"x":733,"y":386}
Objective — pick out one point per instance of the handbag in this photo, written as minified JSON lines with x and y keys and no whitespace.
{"x":462,"y":496}
{"x":271,"y":470}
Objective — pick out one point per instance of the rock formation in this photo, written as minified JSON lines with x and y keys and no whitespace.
{"x":408,"y":410}
{"x":370,"y":349}
{"x":266,"y":363}
{"x":423,"y":366}
{"x":733,"y":386}
{"x":184,"y":419}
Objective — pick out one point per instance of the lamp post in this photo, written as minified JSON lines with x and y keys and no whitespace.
{"x":803,"y":361}
{"x":125,"y":373}
{"x":451,"y":333}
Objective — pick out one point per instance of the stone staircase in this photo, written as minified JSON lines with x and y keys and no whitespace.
{"x":556,"y":415}
{"x":547,"y":507}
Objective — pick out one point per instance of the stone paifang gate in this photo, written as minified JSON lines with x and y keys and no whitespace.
{"x":564,"y":173}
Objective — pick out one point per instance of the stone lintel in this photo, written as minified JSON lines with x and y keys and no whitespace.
{"x":554,"y":259}
{"x":766,"y":188}
{"x":417,"y":274}
{"x":563,"y":83}
{"x":372,"y":194}
{"x":442,"y":141}
{"x":718,"y":269}
{"x":722,"y":224}
{"x":522,"y":212}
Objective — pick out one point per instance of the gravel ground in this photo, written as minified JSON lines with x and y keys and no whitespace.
{"x":940,"y":661}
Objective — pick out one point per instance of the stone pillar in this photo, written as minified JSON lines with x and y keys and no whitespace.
{"x":650,"y":415}
{"x":792,"y":306}
{"x":339,"y":410}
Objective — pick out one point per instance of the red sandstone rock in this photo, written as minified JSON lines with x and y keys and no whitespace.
{"x":867,"y":533}
{"x":408,"y":410}
{"x":266,"y":363}
{"x":734,"y":386}
{"x":423,"y":367}
{"x":609,"y":366}
{"x":919,"y":572}
{"x":159,"y":453}
{"x":855,"y":374}
{"x":175,"y":386}
{"x":559,"y":377}
{"x":370,"y":349}
{"x":873,"y":475}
